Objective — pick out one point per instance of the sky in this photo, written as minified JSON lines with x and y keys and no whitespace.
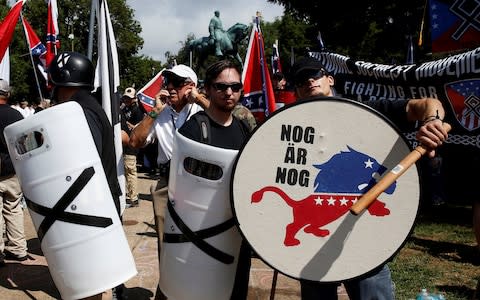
{"x":166,"y":23}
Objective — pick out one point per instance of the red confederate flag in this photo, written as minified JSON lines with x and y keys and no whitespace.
{"x":146,"y":95}
{"x":257,"y":87}
{"x":7,"y":27}
{"x":53,"y":44}
{"x":34,"y":43}
{"x":37,"y":48}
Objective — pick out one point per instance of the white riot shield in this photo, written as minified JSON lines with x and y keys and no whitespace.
{"x":201,"y":244}
{"x":69,"y":200}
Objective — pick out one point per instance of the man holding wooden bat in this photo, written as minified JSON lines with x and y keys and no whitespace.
{"x":310,"y":79}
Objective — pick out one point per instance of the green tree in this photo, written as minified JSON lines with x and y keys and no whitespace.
{"x":73,"y":22}
{"x":138,"y":71}
{"x":293,"y":38}
{"x":375,"y":30}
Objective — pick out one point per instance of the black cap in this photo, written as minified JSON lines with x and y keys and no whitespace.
{"x":305,"y":64}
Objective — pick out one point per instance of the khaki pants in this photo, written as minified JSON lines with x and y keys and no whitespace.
{"x":11,"y":216}
{"x":130,"y":162}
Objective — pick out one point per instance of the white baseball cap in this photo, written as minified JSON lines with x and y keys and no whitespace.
{"x":4,"y":86}
{"x":129,"y":92}
{"x":183,"y":71}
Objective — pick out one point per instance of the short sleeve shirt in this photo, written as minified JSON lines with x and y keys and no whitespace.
{"x":164,"y":127}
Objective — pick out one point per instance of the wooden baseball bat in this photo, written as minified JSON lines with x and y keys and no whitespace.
{"x":390,"y":177}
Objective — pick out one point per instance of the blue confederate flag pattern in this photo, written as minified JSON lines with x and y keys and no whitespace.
{"x":146,"y":95}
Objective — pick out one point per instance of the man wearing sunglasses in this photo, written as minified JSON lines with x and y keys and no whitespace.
{"x":171,"y":110}
{"x":311,"y":79}
{"x":223,"y":87}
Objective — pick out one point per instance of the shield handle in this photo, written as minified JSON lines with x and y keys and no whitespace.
{"x":390,"y":177}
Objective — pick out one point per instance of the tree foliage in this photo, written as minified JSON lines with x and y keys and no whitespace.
{"x":293,"y":38}
{"x":373,"y":30}
{"x":74,"y":28}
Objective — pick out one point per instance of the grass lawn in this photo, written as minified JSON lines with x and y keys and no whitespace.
{"x":440,"y":255}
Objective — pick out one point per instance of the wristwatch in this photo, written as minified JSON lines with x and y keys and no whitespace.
{"x":153,"y":114}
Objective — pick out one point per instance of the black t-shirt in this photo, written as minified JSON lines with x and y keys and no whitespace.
{"x":228,"y":137}
{"x":133,"y":114}
{"x":127,"y":150}
{"x":102,"y":133}
{"x":8,"y":116}
{"x":395,"y":111}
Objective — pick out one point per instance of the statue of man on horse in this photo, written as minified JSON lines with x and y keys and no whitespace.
{"x":215,"y":28}
{"x":220,"y":42}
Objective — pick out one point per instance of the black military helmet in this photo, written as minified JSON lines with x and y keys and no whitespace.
{"x":71,"y":69}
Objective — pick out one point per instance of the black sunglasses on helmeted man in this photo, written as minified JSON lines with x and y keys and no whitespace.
{"x":303,"y":77}
{"x":222,"y":87}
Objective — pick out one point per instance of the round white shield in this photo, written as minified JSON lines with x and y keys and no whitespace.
{"x":297,"y":177}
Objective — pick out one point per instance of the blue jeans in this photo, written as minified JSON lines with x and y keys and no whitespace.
{"x":376,"y":285}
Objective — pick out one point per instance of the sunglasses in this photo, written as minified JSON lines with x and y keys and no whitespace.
{"x":303,"y":78}
{"x":177,"y":82}
{"x":222,"y":87}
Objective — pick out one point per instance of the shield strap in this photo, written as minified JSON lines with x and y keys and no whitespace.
{"x":197,"y":237}
{"x":57,"y":212}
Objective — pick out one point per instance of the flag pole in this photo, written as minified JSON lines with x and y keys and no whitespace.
{"x":410,"y":50}
{"x":31,"y":60}
{"x":420,"y":34}
{"x":90,"y":30}
{"x":262,"y":64}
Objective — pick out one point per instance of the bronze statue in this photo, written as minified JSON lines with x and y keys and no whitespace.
{"x":220,"y":42}
{"x":215,"y":28}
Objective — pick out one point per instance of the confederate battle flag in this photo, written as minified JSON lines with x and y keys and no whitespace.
{"x":257,"y":87}
{"x":146,"y":95}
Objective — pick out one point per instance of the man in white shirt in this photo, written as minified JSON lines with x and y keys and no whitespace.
{"x":173,"y":107}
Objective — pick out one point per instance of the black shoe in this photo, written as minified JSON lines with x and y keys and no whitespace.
{"x":118,"y":292}
{"x":132,"y":203}
{"x":10,"y":256}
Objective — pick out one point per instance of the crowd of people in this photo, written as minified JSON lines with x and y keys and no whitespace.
{"x":178,"y":107}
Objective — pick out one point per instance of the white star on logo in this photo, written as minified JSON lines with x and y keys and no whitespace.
{"x":368,"y":164}
{"x":331,"y":201}
{"x":318,"y":201}
{"x":343,"y":201}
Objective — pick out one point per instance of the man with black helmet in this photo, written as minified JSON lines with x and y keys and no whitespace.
{"x":72,"y":75}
